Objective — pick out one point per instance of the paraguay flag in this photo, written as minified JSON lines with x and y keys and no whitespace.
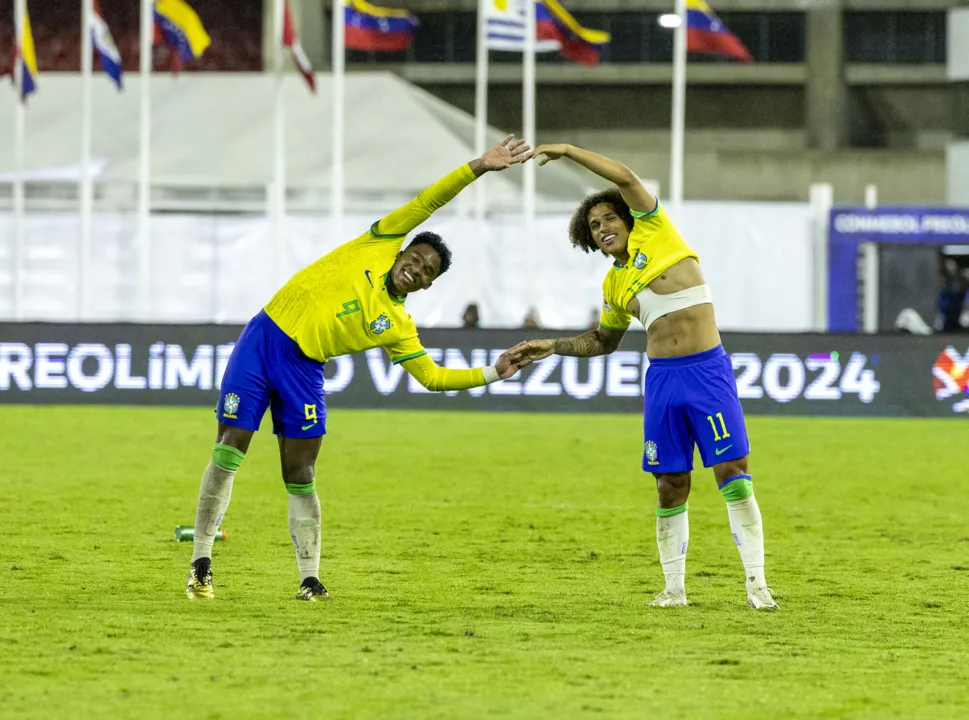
{"x":376,"y":29}
{"x":578,"y":44}
{"x":104,"y":44}
{"x":28,"y":60}
{"x":180,"y":26}
{"x":706,"y":33}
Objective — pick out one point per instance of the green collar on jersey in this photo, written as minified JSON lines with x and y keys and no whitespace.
{"x":393,"y":298}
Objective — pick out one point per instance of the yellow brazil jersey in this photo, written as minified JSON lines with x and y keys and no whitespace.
{"x":340,"y":304}
{"x":654,"y":246}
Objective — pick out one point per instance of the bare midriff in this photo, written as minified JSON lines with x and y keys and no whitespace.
{"x":684,"y":332}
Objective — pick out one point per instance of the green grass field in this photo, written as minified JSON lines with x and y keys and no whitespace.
{"x":481,"y":564}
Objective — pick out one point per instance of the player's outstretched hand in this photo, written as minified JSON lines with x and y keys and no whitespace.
{"x":512,"y":360}
{"x":535,"y":350}
{"x":508,"y":152}
{"x":547,"y":153}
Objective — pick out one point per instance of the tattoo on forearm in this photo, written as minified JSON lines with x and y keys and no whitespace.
{"x":588,"y":345}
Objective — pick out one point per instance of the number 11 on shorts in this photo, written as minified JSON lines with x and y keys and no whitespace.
{"x":723,"y":427}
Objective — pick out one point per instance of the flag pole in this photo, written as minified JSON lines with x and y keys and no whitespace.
{"x":481,"y":106}
{"x":339,"y":100}
{"x":86,"y":186}
{"x":528,"y":130}
{"x":144,"y":161}
{"x":19,"y":200}
{"x":279,"y":144}
{"x":679,"y":105}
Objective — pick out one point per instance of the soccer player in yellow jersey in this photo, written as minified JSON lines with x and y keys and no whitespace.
{"x":349,"y":300}
{"x":690,"y":392}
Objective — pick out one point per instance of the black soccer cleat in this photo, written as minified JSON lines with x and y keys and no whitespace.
{"x":312,"y":590}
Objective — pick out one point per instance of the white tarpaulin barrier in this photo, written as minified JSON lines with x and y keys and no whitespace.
{"x":215,"y":131}
{"x":757,"y":258}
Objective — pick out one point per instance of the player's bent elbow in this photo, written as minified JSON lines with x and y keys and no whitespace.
{"x":628,"y":179}
{"x":609,"y":342}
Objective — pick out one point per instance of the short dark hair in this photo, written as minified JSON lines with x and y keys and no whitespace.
{"x":579,"y":232}
{"x":440,"y":247}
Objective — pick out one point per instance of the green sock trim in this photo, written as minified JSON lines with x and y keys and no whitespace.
{"x":738,"y":488}
{"x":307,"y":489}
{"x":670,"y":512}
{"x":227,"y":457}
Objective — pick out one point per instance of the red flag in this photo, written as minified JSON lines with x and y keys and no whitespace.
{"x":292,"y":42}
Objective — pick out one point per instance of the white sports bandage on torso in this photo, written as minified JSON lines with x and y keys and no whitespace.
{"x":653,"y":306}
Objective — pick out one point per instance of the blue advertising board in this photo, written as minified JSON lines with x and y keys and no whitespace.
{"x":849,"y":227}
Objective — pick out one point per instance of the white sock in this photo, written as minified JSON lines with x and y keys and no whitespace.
{"x":304,"y":527}
{"x":214,"y":494}
{"x":672,"y":539}
{"x":748,"y":533}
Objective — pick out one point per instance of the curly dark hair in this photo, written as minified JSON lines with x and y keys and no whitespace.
{"x":440,"y":247}
{"x":579,"y":232}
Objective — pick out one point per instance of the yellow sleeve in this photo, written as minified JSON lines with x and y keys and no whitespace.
{"x":652,"y":221}
{"x":438,"y":379}
{"x":614,"y":318}
{"x":404,"y":219}
{"x":407,"y":348}
{"x":645,"y":215}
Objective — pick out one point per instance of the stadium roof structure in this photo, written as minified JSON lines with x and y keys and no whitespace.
{"x":213,"y":133}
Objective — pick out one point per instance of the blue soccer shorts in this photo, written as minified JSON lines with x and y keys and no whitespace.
{"x":692,"y":400}
{"x":267,"y":369}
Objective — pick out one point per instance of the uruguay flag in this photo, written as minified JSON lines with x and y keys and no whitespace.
{"x":28,"y":60}
{"x":104,"y":44}
{"x":555,"y":30}
{"x":505,"y":25}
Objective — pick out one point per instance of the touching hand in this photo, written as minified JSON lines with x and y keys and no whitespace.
{"x":535,"y":350}
{"x":512,"y":360}
{"x":546,"y":153}
{"x":508,"y":152}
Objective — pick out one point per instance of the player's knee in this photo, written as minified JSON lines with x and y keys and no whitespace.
{"x":227,"y":457}
{"x":298,"y":474}
{"x":673,"y":489}
{"x":726,"y":470}
{"x":234,"y":437}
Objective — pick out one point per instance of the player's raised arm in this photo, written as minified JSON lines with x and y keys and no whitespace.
{"x":401,"y":221}
{"x":636,"y":196}
{"x":600,"y":341}
{"x":434,"y":377}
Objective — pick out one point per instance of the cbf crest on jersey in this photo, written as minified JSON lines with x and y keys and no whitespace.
{"x":640,"y":261}
{"x":230,"y":405}
{"x":650,"y":452}
{"x":380,"y":324}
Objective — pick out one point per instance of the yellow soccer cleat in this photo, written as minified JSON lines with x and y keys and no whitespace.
{"x":199,"y":584}
{"x":312,"y":590}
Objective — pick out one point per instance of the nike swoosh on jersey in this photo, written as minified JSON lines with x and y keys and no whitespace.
{"x":721,"y":451}
{"x":367,"y":273}
{"x":307,"y":427}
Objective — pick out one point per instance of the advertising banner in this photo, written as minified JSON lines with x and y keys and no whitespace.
{"x":849,"y":227}
{"x":807,"y":374}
